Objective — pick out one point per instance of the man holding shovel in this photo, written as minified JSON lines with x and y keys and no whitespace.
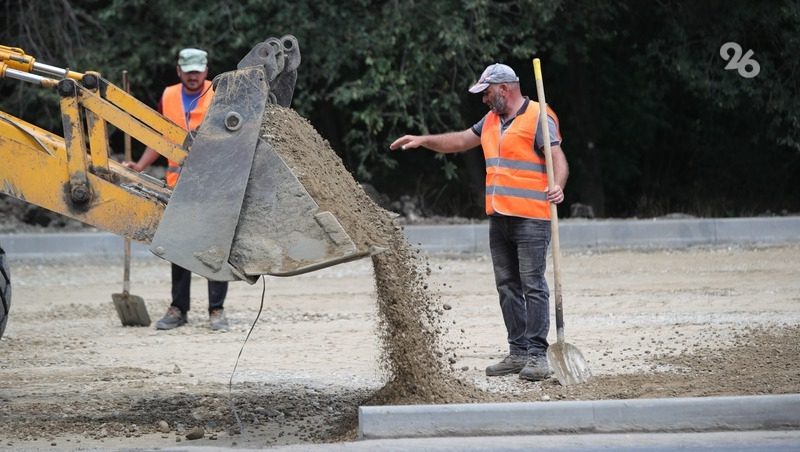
{"x":186,"y":104}
{"x":518,"y":205}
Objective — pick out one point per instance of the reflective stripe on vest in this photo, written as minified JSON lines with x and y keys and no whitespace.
{"x":172,"y":108}
{"x":516,"y":176}
{"x":512,"y":164}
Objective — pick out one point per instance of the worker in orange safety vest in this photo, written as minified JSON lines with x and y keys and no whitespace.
{"x":518,"y":205}
{"x":186,"y":104}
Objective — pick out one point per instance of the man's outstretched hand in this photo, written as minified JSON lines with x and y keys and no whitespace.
{"x":406,"y":142}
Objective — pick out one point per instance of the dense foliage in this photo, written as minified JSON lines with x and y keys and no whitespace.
{"x":652,"y":120}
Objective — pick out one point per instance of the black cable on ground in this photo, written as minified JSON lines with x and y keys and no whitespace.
{"x":230,"y":381}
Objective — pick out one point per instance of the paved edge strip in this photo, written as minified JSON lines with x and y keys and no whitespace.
{"x":599,"y":234}
{"x":474,"y":238}
{"x":692,"y":414}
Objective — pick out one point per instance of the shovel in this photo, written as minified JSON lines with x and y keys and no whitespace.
{"x":130,"y":308}
{"x":565,"y":359}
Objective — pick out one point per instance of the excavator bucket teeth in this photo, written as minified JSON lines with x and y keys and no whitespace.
{"x":238,"y":211}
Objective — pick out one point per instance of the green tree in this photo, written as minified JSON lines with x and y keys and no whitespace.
{"x":652,"y":121}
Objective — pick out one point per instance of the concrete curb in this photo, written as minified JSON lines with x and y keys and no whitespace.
{"x":474,"y":238}
{"x":770,"y":412}
{"x":599,"y":234}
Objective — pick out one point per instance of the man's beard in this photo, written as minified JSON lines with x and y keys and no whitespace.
{"x":193,"y":84}
{"x":497,"y":104}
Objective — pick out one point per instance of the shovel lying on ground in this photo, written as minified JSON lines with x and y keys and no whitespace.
{"x":565,"y":359}
{"x":130,"y":308}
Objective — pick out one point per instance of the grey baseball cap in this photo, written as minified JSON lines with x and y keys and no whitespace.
{"x":494,"y":73}
{"x":192,"y":60}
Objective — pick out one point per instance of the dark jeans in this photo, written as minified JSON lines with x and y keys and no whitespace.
{"x":519,"y":255}
{"x":181,"y":284}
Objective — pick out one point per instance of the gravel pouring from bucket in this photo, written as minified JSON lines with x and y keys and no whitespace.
{"x":567,"y":362}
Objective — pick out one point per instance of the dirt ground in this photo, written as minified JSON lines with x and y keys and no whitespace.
{"x":694,"y":322}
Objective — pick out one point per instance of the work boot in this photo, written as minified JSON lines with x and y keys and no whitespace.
{"x":217,"y":320}
{"x":536,"y":369}
{"x":172,"y":319}
{"x":511,"y":364}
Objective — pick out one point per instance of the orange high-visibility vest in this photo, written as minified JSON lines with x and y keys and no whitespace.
{"x":516,"y":176}
{"x":172,"y":108}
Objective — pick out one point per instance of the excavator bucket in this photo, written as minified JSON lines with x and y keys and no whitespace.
{"x":238,"y":210}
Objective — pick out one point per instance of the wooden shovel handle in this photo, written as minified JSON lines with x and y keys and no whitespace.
{"x":126,"y":85}
{"x":554,"y":242}
{"x":126,"y":275}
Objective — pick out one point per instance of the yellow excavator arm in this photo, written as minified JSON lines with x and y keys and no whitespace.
{"x":73,"y":175}
{"x":194,"y":225}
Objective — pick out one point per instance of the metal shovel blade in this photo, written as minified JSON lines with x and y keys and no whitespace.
{"x":568,"y":364}
{"x":131,"y":309}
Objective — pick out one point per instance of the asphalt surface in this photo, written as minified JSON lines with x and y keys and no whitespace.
{"x":651,"y":442}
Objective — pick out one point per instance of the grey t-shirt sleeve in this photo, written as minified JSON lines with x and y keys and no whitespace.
{"x":555,"y":138}
{"x":478,"y":126}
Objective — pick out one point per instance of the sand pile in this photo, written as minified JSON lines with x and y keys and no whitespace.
{"x":410,"y":325}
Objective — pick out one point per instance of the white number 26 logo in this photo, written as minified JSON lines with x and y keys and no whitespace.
{"x":745,"y":65}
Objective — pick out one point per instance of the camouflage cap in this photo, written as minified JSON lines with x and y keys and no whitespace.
{"x":192,"y":60}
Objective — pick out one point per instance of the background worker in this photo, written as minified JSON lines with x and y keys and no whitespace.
{"x":518,"y":204}
{"x":186,"y":104}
